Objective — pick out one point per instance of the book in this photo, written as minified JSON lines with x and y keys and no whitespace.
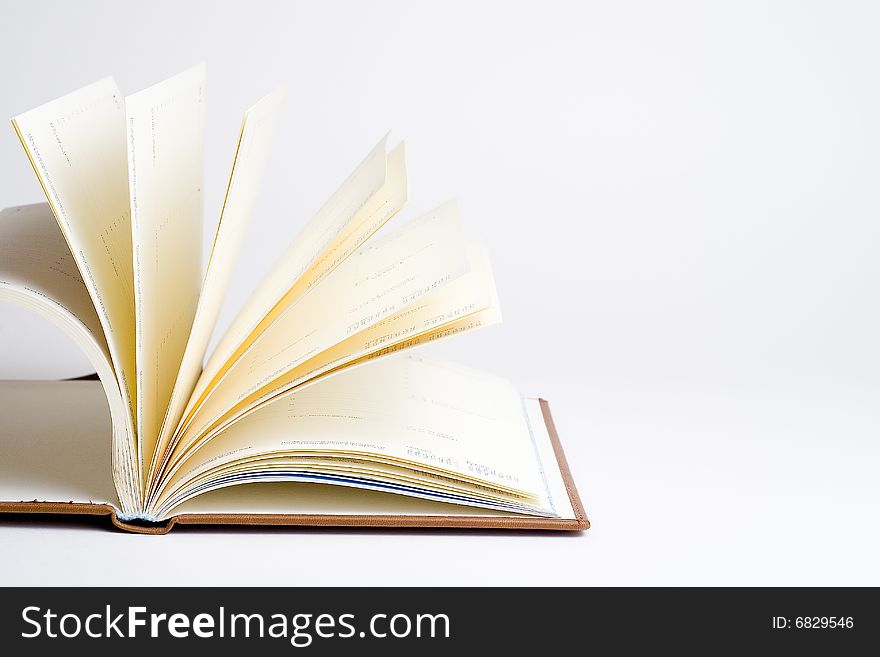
{"x":314,"y":391}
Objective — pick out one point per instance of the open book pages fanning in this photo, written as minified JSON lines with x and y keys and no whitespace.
{"x":295,"y":389}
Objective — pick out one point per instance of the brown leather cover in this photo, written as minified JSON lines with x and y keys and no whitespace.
{"x":331,"y":520}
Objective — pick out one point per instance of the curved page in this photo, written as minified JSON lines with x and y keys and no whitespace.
{"x":76,"y":145}
{"x":38,"y":272}
{"x":258,"y":128}
{"x":165,"y":166}
{"x":369,"y":197}
{"x":465,"y":304}
{"x":442,"y":422}
{"x":379,"y":281}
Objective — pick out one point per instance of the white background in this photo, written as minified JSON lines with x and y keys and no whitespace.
{"x":681,"y":204}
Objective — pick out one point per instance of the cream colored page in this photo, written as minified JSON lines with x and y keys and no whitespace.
{"x":165,"y":160}
{"x":377,"y":282}
{"x":369,"y":472}
{"x":311,"y":498}
{"x":34,"y":256}
{"x":347,"y":463}
{"x":76,"y":145}
{"x":469,"y":295}
{"x":468,"y":302}
{"x":53,"y":444}
{"x":477,"y":320}
{"x":318,"y":369}
{"x":368,"y":219}
{"x":38,"y":272}
{"x":256,"y":138}
{"x":341,"y":211}
{"x":425,"y":412}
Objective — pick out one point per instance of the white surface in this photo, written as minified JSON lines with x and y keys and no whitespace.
{"x":681,"y":204}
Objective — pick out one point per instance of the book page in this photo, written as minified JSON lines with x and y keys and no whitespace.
{"x":165,"y":163}
{"x":76,"y":145}
{"x":53,"y":443}
{"x":255,"y":140}
{"x":38,"y":272}
{"x":35,"y":256}
{"x":371,"y":195}
{"x":427,"y":416}
{"x":292,"y":497}
{"x":466,"y":303}
{"x":379,"y":281}
{"x":319,"y":499}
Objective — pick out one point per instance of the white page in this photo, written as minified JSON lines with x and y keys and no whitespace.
{"x":165,"y":161}
{"x":76,"y":145}
{"x":258,"y":129}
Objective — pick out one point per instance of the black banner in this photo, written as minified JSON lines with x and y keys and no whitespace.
{"x":436,"y":621}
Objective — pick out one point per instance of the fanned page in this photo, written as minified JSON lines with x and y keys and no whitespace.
{"x":165,"y":151}
{"x":255,"y":140}
{"x":383,"y":278}
{"x":406,"y":425}
{"x":380,"y":281}
{"x":464,"y":304}
{"x":368,"y":198}
{"x":77,"y":147}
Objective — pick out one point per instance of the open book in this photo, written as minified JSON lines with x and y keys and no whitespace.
{"x":306,"y":388}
